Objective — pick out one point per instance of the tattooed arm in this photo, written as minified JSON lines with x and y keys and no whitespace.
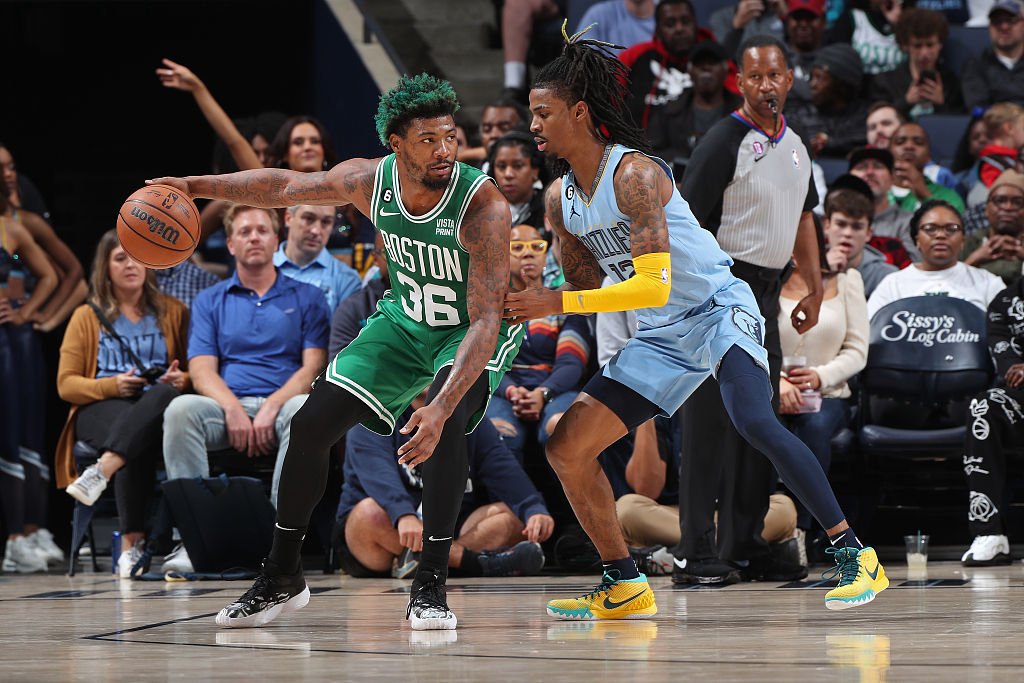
{"x":485,"y":232}
{"x":349,"y":182}
{"x":635,"y":180}
{"x":580,"y":268}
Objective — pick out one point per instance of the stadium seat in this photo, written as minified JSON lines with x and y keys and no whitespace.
{"x":833,"y":168}
{"x":81,"y":521}
{"x":963,"y":42}
{"x":944,"y":133}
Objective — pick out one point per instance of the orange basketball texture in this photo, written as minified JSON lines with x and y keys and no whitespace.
{"x":158,"y":226}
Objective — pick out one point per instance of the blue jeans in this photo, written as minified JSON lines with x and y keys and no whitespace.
{"x":501,"y":409}
{"x":816,"y":431}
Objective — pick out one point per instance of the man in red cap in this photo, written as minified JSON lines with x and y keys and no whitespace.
{"x":805,"y":26}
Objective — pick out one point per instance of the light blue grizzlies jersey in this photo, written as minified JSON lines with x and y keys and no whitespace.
{"x":699,"y":267}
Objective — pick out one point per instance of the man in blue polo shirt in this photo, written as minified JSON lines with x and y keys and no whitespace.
{"x":256,"y":343}
{"x":303,"y":257}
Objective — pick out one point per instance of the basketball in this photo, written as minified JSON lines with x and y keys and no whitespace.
{"x":158,"y":226}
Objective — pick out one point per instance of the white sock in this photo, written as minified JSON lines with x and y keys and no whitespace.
{"x":515,"y":74}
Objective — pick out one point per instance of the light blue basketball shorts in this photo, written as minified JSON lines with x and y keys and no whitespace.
{"x":666,"y":364}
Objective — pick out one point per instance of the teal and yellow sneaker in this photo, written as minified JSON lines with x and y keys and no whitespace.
{"x":861,"y":577}
{"x":612,"y":599}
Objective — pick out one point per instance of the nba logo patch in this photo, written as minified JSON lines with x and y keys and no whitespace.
{"x":796,"y":159}
{"x":664,"y":275}
{"x":758,"y":147}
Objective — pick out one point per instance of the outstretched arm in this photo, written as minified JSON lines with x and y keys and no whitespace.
{"x":349,"y":182}
{"x":485,"y":233}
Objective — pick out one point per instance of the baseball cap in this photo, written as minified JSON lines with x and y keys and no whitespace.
{"x":815,"y":6}
{"x":1011,"y":6}
{"x":848,"y":181}
{"x":861,"y":153}
{"x":708,"y":48}
{"x":842,"y":61}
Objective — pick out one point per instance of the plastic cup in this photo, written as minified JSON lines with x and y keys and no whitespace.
{"x":791,"y":362}
{"x":917,"y":551}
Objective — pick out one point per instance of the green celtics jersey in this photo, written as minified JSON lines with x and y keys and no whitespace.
{"x":427,"y":263}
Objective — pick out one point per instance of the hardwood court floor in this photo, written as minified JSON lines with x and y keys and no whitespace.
{"x":959,"y":625}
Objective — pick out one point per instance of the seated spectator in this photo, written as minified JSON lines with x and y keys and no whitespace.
{"x":351,"y":314}
{"x":996,"y":425}
{"x":883,"y":121}
{"x":516,"y":165}
{"x":875,"y":167}
{"x":550,"y":368}
{"x":892,"y":249}
{"x":847,"y":225}
{"x":685,"y":120}
{"x":499,"y":117}
{"x":620,"y":22}
{"x":303,"y":255}
{"x":20,"y":191}
{"x":966,"y":166}
{"x":184,"y":281}
{"x":114,"y":409}
{"x":998,"y":249}
{"x":837,"y":121}
{"x":939,"y":233}
{"x":996,"y":74}
{"x":747,"y":18}
{"x":912,"y":182}
{"x":835,"y":349}
{"x":378,"y":516}
{"x":658,"y":72}
{"x":870,"y":32}
{"x":805,"y":30}
{"x":1004,"y":123}
{"x":923,"y":84}
{"x":256,"y":343}
{"x":517,"y":20}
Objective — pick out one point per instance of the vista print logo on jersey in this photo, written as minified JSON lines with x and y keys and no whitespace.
{"x":926,"y":330}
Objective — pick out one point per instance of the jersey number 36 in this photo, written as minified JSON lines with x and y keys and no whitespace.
{"x":426,"y":299}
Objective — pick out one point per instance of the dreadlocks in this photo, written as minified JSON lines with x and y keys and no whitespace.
{"x":588,"y":71}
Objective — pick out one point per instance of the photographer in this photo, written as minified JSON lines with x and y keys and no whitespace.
{"x":121,"y":363}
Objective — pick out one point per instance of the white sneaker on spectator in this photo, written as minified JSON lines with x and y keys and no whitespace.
{"x":129,"y":558}
{"x":801,"y":539}
{"x":42,"y":541}
{"x":177,"y":561}
{"x":21,"y":556}
{"x":88,"y":487}
{"x":987,"y":551}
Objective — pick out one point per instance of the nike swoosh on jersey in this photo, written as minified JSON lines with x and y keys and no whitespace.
{"x":608,"y":604}
{"x":388,"y":213}
{"x":874,"y":574}
{"x":431,"y":538}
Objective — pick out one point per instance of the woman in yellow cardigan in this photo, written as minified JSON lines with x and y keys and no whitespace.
{"x":115,"y":410}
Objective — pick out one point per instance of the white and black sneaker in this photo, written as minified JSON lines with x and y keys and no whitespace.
{"x":987,"y":551}
{"x":88,"y":487}
{"x":428,"y":603}
{"x":274,"y":593}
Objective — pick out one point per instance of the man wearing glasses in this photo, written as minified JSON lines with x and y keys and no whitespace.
{"x":303,"y":257}
{"x":996,"y":74}
{"x":938,"y":230}
{"x":999,"y":249}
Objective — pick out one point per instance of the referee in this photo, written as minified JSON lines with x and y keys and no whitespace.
{"x":749,"y":182}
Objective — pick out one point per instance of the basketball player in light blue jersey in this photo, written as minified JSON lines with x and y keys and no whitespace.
{"x":617,"y":211}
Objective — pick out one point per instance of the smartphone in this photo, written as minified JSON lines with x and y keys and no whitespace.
{"x":927,"y":76}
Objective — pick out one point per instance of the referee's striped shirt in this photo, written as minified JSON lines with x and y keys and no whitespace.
{"x":749,"y":189}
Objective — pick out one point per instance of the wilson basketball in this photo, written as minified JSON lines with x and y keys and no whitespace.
{"x":158,"y":226}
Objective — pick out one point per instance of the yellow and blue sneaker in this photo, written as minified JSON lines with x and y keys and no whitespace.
{"x":613,"y":598}
{"x":861,"y":577}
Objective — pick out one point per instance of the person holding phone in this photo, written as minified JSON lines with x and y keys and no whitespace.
{"x":923,"y":84}
{"x":122,"y":361}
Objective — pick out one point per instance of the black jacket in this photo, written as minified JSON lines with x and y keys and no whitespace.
{"x":846,"y":128}
{"x":986,"y":81}
{"x":672,"y":134}
{"x":892,"y":86}
{"x":1005,"y":328}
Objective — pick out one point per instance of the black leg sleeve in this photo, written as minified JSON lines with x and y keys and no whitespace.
{"x":995,"y":422}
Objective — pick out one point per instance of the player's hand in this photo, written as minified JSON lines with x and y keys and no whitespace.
{"x":178,"y":77}
{"x":239,"y":426}
{"x":532,"y":302}
{"x":428,"y":422}
{"x":805,"y":314}
{"x":264,"y":435}
{"x":789,"y":398}
{"x":804,"y":378}
{"x":128,"y":383}
{"x":410,"y":532}
{"x":1015,"y":375}
{"x":539,"y":528}
{"x":179,"y":184}
{"x":173,"y":376}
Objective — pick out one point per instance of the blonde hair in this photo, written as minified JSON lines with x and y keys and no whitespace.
{"x":1000,"y":113}
{"x":102,"y":293}
{"x":234,"y":209}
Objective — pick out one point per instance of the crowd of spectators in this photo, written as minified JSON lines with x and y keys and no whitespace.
{"x":205,"y":363}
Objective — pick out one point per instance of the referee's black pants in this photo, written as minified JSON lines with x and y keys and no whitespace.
{"x":718,"y":468}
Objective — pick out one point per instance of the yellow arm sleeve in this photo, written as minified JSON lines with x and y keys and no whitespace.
{"x":648,"y":288}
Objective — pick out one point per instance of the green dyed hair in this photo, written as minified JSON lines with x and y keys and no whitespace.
{"x":414,"y":97}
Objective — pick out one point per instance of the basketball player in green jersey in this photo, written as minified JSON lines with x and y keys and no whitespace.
{"x":446,"y":235}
